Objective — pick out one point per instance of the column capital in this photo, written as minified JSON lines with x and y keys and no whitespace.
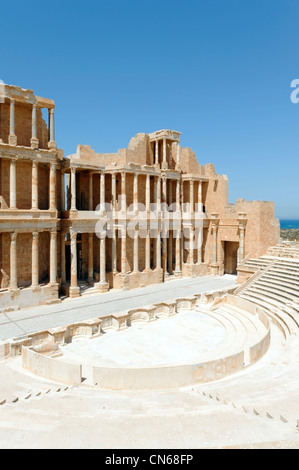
{"x":34,"y":163}
{"x":53,"y":233}
{"x":35,"y":235}
{"x":73,"y":236}
{"x":13,"y":160}
{"x":13,"y":236}
{"x":73,"y":169}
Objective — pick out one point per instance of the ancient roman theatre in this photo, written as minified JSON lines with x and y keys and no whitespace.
{"x":139,"y":308}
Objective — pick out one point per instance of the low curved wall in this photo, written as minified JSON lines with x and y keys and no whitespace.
{"x":257,"y":350}
{"x":121,"y":378}
{"x":51,"y":368}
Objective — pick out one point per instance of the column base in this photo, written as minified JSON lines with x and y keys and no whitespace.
{"x":36,"y":288}
{"x":102,"y":286}
{"x":74,"y":292}
{"x":178,"y":273}
{"x":14,"y":289}
{"x":12,"y":140}
{"x":214,"y":269}
{"x":34,"y":143}
{"x":90,"y":281}
{"x":52,"y":145}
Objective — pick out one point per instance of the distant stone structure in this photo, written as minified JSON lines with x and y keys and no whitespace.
{"x":65,"y":220}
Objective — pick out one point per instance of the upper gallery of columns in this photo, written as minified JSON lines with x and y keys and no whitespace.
{"x":21,"y":119}
{"x":157,"y":152}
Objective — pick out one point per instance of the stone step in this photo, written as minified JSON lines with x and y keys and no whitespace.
{"x":289,"y":283}
{"x":267,"y":291}
{"x":256,"y":330}
{"x":279,"y":289}
{"x":272,"y":307}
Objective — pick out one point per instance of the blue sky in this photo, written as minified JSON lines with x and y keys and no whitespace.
{"x":219,"y":71}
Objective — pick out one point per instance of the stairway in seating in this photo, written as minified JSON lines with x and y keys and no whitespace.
{"x":275,"y":287}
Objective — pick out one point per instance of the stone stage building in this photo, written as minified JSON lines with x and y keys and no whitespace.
{"x":66,"y":222}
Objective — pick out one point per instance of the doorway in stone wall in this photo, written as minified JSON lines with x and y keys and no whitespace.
{"x":230,"y":257}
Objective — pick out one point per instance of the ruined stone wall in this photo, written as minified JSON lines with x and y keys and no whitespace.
{"x":4,"y":121}
{"x":24,"y":184}
{"x":4,"y":181}
{"x":189,"y":163}
{"x":44,"y":256}
{"x":262,"y":229}
{"x":217,"y":195}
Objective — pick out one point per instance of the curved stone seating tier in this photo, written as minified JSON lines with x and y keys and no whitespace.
{"x":246,"y":338}
{"x":286,"y":324}
{"x":276,"y":287}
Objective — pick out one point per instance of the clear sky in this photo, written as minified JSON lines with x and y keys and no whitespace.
{"x":218,"y":71}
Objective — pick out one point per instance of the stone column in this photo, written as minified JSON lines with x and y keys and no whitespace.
{"x":53,"y":256}
{"x":13,"y":261}
{"x":164,"y":164}
{"x":51,"y":143}
{"x":34,"y":186}
{"x":164,"y":190}
{"x":123,"y":252}
{"x":90,"y":191}
{"x":156,"y":152}
{"x":90,"y":258}
{"x":102,"y":193}
{"x":74,"y":289}
{"x":178,"y":196}
{"x":62,"y":258}
{"x":35,"y":260}
{"x":200,"y":196}
{"x":178,"y":271}
{"x":148,"y":250}
{"x":52,"y":186}
{"x":214,"y":235}
{"x":73,"y":188}
{"x":242,"y":219}
{"x":199,"y":243}
{"x":241,"y":247}
{"x":170,"y":251}
{"x":34,"y":140}
{"x":62,"y":191}
{"x":158,"y":193}
{"x":103,"y":285}
{"x":164,"y":256}
{"x":214,"y":264}
{"x":13,"y":184}
{"x":147,"y":193}
{"x":158,"y":249}
{"x":113,"y":190}
{"x":191,"y":197}
{"x":123,"y":191}
{"x":12,"y":139}
{"x":135,"y":192}
{"x":135,"y":249}
{"x":114,"y":258}
{"x":191,"y":245}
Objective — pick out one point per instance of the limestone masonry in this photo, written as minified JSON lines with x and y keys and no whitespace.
{"x":121,"y":220}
